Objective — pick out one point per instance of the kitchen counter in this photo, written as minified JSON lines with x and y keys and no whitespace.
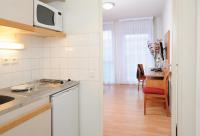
{"x":38,"y":92}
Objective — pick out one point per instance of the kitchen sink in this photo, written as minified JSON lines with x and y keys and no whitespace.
{"x":5,"y":99}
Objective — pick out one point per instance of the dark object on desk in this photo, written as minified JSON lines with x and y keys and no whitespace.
{"x":156,"y":69}
{"x":157,"y":78}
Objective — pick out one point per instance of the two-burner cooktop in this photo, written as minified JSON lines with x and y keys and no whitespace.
{"x":28,"y":87}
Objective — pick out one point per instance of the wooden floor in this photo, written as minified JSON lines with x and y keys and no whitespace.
{"x":123,"y":114}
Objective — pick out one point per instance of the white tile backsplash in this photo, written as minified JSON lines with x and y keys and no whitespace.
{"x":75,"y":57}
{"x":35,"y":64}
{"x":93,"y":64}
{"x":45,"y":73}
{"x":35,"y":74}
{"x":45,"y":63}
{"x":55,"y":73}
{"x":28,"y":66}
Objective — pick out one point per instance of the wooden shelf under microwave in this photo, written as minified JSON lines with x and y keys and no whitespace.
{"x":11,"y":26}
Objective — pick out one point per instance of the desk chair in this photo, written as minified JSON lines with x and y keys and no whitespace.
{"x":157,"y":91}
{"x":140,"y":75}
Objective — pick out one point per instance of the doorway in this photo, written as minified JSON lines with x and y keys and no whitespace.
{"x":126,"y":39}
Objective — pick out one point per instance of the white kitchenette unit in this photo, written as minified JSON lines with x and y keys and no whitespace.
{"x":47,"y":108}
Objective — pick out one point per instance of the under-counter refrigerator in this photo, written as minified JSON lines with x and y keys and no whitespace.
{"x":65,"y":112}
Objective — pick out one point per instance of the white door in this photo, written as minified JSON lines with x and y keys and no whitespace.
{"x":65,"y":121}
{"x":185,"y":50}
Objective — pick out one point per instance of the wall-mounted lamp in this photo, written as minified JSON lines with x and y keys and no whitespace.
{"x":11,"y":45}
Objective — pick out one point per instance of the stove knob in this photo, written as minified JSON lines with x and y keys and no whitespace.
{"x":69,"y":80}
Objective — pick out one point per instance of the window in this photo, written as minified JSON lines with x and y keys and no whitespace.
{"x":108,"y":57}
{"x":136,"y":53}
{"x":125,"y":46}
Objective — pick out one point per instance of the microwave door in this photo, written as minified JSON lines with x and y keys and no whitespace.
{"x":45,"y":17}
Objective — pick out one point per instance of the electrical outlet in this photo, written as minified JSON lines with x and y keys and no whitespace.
{"x":5,"y":60}
{"x":14,"y":60}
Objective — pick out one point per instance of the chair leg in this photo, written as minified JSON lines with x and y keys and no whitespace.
{"x":143,"y":84}
{"x":145,"y":104}
{"x":138,"y":85}
{"x":164,"y":106}
{"x":167,"y":106}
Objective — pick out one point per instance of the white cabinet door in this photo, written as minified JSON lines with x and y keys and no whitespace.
{"x":17,"y":10}
{"x":65,"y":113}
{"x":37,"y":126}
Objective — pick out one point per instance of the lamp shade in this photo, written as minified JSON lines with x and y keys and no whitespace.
{"x":108,"y":5}
{"x":11,"y":45}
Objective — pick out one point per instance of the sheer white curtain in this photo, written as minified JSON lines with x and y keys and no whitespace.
{"x":130,"y":49}
{"x":109,"y":53}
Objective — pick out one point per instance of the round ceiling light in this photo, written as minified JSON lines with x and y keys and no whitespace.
{"x":108,"y":5}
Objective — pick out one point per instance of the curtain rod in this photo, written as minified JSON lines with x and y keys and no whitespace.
{"x":108,"y":22}
{"x":135,"y":19}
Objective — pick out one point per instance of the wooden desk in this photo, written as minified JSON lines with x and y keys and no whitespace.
{"x":154,"y":79}
{"x":153,"y":74}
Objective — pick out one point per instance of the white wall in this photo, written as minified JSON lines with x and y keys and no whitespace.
{"x":28,"y":66}
{"x":79,"y":57}
{"x":80,"y":16}
{"x":167,"y":16}
{"x":158,"y":27}
{"x":167,"y":20}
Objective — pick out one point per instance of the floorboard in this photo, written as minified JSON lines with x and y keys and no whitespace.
{"x":123,"y":113}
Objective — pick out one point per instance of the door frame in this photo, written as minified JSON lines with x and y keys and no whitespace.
{"x":198,"y":72}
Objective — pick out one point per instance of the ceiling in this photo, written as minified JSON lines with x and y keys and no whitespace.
{"x":133,"y":9}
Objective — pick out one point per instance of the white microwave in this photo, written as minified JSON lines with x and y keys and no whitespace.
{"x":47,"y":17}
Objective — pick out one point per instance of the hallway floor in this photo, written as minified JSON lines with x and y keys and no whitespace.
{"x":123,"y":113}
